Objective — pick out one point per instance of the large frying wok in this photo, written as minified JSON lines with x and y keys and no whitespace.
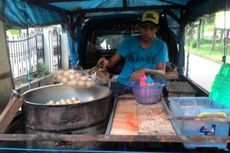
{"x":93,"y":109}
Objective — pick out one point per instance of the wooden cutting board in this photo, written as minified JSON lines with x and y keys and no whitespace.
{"x":132,"y":118}
{"x":152,"y":120}
{"x":125,"y":119}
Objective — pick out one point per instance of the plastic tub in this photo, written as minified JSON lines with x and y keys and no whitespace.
{"x":193,"y":106}
{"x":149,"y":94}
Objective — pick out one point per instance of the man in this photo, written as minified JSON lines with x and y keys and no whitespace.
{"x":144,"y":54}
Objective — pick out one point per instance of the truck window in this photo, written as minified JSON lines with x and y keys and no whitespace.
{"x":108,"y":42}
{"x":207,"y":47}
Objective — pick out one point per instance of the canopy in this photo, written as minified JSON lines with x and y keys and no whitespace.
{"x":27,"y":13}
{"x":177,"y":13}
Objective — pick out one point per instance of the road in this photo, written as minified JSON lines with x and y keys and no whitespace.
{"x":203,"y":71}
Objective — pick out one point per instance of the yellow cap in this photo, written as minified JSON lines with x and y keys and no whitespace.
{"x":150,"y":17}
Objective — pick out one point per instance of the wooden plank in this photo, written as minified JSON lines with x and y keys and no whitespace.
{"x":152,"y":120}
{"x":125,"y":119}
{"x":88,"y":138}
{"x":9,"y":112}
{"x":111,"y":138}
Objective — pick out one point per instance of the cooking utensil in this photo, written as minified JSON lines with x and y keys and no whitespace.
{"x":94,"y":69}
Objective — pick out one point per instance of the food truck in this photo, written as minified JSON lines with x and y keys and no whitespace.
{"x":173,"y":115}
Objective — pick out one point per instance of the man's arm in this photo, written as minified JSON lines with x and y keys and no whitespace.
{"x":159,"y":70}
{"x":113,"y":60}
{"x":109,"y":63}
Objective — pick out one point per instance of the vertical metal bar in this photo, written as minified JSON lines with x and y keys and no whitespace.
{"x":36,"y":48}
{"x":35,"y":53}
{"x":29,"y":58}
{"x":225,"y":49}
{"x":124,"y":3}
{"x":31,"y":53}
{"x":43,"y":50}
{"x":22,"y":55}
{"x":11,"y":56}
{"x":14,"y":66}
{"x":181,"y":45}
{"x":15,"y":62}
{"x":17,"y":57}
{"x":59,"y":51}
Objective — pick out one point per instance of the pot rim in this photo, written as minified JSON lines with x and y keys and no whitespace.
{"x":48,"y":86}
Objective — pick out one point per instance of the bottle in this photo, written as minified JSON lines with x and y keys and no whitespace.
{"x":149,"y":81}
{"x":143,"y":81}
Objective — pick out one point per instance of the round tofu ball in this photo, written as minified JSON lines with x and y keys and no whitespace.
{"x":71,"y":76}
{"x":66,"y":73}
{"x":60,"y":72}
{"x":74,"y":99}
{"x":59,"y":77}
{"x":58,"y":103}
{"x":84,"y":78}
{"x":65,"y":80}
{"x":68,"y":101}
{"x":71,"y":71}
{"x":81,"y":83}
{"x":90,"y":83}
{"x":51,"y":102}
{"x":62,"y":101}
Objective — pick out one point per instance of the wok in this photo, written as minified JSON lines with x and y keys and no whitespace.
{"x":93,"y":109}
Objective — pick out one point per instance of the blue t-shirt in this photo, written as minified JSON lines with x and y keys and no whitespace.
{"x":137,"y":57}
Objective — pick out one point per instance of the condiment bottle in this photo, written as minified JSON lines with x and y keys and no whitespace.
{"x":149,"y":81}
{"x":143,"y":81}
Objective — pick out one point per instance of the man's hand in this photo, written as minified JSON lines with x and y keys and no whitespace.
{"x":109,"y":63}
{"x":103,"y":62}
{"x":138,"y":74}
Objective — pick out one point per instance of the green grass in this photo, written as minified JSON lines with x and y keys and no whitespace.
{"x":206,"y":51}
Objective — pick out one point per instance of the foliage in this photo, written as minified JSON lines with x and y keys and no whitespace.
{"x":14,"y":31}
{"x":209,"y":18}
{"x":206,"y":51}
{"x":42,"y":69}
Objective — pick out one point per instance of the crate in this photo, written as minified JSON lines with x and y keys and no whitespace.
{"x":179,"y":88}
{"x":193,"y":106}
{"x":220,"y":90}
{"x":224,"y":70}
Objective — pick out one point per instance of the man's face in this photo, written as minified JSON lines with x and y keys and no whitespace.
{"x":148,"y":32}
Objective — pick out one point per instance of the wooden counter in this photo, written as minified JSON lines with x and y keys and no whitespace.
{"x":131,"y":118}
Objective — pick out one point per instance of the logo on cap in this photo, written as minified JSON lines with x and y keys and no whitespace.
{"x":150,"y":16}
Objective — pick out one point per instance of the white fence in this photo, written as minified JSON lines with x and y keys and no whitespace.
{"x":28,"y":49}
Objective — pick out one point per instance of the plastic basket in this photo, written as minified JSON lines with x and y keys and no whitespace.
{"x":220,"y":90}
{"x":149,"y":94}
{"x":224,"y":70}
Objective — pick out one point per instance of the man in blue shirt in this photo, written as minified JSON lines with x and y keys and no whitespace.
{"x":144,"y":54}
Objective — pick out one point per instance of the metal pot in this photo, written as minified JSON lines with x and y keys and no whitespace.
{"x":92,"y":111}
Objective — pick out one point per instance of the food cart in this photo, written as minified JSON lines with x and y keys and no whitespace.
{"x":130,"y":125}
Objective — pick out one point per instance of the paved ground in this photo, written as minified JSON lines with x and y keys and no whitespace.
{"x":202,"y":71}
